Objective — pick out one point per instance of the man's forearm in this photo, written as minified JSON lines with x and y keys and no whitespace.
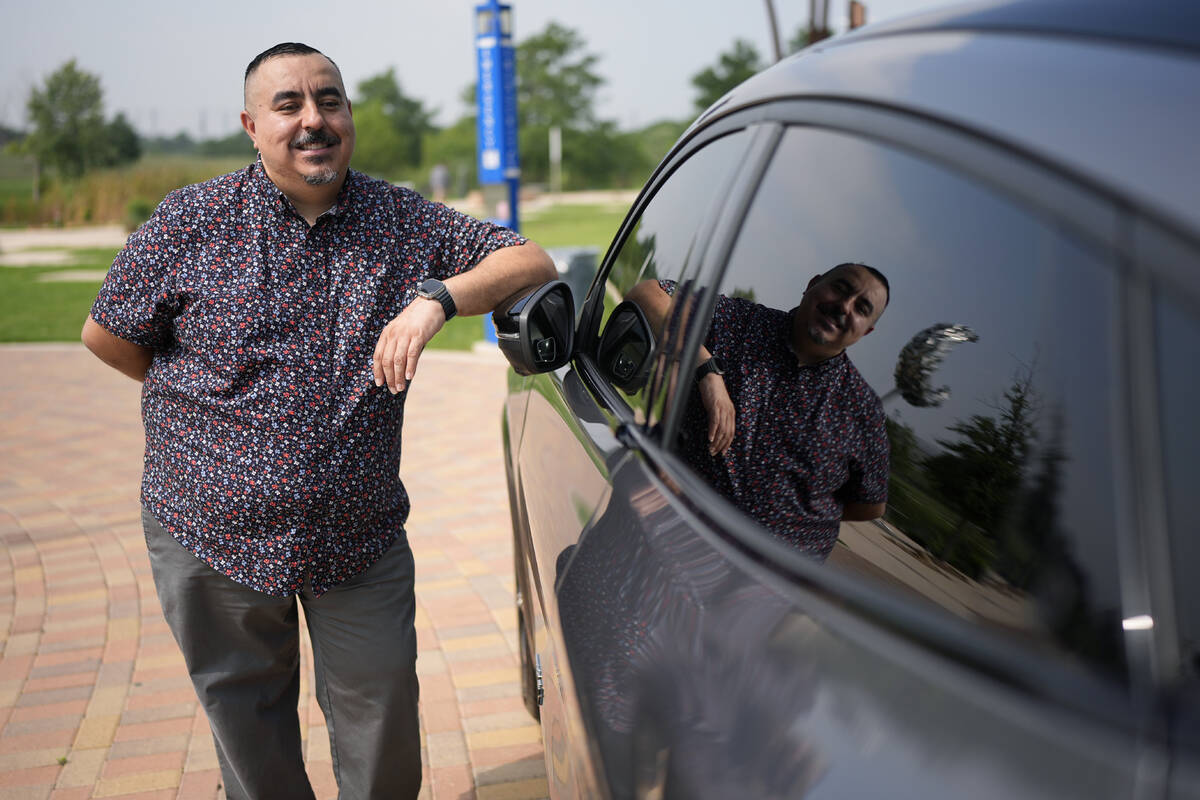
{"x":863,"y":512}
{"x":502,"y":277}
{"x":129,"y":358}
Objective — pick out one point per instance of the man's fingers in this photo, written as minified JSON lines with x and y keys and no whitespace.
{"x":377,"y":363}
{"x":400,"y":345}
{"x":399,"y":366}
{"x":389,"y":362}
{"x":415,"y":346}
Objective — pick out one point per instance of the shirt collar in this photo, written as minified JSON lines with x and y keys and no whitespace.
{"x":341,"y":204}
{"x":820,"y":367}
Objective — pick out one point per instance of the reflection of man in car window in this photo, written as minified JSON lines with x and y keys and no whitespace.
{"x":785,"y":426}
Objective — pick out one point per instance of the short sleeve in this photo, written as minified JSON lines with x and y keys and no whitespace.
{"x":868,"y":482}
{"x":464,"y":240}
{"x":137,"y":302}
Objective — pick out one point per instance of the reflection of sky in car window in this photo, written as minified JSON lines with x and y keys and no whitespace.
{"x":953,"y":254}
{"x":671,"y":218}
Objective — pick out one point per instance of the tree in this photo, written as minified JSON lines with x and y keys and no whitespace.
{"x":69,"y":134}
{"x":233,"y":144}
{"x":380,"y":148}
{"x":124,"y":147}
{"x":556,"y":86}
{"x":392,"y":125}
{"x":800,"y":40}
{"x":556,"y":80}
{"x":980,"y":472}
{"x":731,"y":69}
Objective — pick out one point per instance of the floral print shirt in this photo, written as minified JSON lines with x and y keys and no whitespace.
{"x":270,"y":453}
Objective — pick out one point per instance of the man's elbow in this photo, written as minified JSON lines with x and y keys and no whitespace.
{"x":542,"y":267}
{"x":126,"y":357}
{"x":92,"y":335}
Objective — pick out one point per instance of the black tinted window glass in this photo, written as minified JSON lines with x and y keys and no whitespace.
{"x":662,"y":244}
{"x":1179,"y":355}
{"x":978,"y":408}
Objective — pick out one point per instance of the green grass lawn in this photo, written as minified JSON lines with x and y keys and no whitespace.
{"x":567,"y":226}
{"x":32,"y":310}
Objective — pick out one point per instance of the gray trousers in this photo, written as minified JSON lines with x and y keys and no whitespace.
{"x":242,"y":649}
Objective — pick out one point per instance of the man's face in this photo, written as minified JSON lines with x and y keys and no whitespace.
{"x":839,"y":308}
{"x":298,"y":116}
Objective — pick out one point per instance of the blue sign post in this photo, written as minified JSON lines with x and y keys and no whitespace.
{"x":496,"y":96}
{"x":496,"y":141}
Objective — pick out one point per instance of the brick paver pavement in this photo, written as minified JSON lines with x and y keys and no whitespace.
{"x":94,"y":699}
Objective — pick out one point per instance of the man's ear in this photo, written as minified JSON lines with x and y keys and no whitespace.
{"x":349,"y":106}
{"x":248,"y":126}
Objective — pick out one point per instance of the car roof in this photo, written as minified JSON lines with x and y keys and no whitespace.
{"x":1108,"y":92}
{"x":1148,"y":22}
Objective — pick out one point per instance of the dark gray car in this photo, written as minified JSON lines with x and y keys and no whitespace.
{"x":1023,"y":621}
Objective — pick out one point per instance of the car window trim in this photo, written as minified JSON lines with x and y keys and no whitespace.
{"x":759,"y":154}
{"x":1156,"y":272}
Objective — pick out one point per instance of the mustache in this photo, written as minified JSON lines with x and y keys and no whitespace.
{"x":834,"y":312}
{"x":316,"y":137}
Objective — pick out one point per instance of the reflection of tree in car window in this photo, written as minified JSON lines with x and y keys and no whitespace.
{"x":986,"y":502}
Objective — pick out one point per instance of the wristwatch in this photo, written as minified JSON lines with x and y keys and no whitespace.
{"x":433,"y":289}
{"x":713,"y":365}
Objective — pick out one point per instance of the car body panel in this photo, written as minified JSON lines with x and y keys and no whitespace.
{"x":937,"y":74}
{"x":746,"y":682}
{"x":567,"y":446}
{"x":684,"y":656}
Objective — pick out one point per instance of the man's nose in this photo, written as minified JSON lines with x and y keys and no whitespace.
{"x":311,"y":116}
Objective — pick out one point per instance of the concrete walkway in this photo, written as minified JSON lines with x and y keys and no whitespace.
{"x":94,"y":698}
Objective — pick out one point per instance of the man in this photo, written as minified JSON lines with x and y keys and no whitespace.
{"x":276,"y":316}
{"x":781,"y":421}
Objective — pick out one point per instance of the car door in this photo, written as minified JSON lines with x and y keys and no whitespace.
{"x":983,"y":637}
{"x":569,"y":444}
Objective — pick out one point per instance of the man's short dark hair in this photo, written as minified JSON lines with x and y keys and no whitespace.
{"x":284,"y":49}
{"x":887,"y":289}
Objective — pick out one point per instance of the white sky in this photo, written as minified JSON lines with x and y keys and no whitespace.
{"x":173,"y":66}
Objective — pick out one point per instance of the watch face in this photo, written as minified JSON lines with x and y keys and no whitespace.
{"x":429,"y":287}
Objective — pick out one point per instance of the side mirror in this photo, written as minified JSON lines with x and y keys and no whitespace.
{"x":537,"y":333}
{"x":625,"y":347}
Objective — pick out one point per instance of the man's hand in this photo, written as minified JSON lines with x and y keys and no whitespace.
{"x":721,"y":413}
{"x":400,"y":345}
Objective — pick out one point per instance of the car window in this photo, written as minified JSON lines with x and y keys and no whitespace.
{"x":1178,"y":355}
{"x":663,"y":243}
{"x":978,"y":409}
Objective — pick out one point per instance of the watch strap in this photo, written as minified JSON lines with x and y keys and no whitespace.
{"x":712,"y":365}
{"x":436,"y":290}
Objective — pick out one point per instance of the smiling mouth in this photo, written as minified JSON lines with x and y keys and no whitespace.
{"x":833,"y":322}
{"x":316,"y":143}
